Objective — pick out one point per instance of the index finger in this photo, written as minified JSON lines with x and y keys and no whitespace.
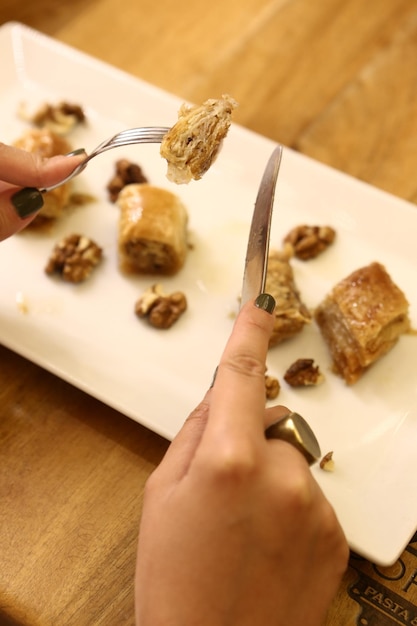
{"x":237,"y":403}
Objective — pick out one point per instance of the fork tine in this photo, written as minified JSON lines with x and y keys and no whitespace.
{"x":134,"y":135}
{"x":146,"y":134}
{"x":138,"y":133}
{"x":118,"y":142}
{"x":151,"y":134}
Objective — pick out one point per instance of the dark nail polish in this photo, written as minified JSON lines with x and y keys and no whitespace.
{"x":27,"y":201}
{"x":76,"y":152}
{"x":266,"y":302}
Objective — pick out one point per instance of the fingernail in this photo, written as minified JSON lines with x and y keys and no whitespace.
{"x":76,"y":152}
{"x":214,"y":377}
{"x":27,"y":201}
{"x":265,"y":302}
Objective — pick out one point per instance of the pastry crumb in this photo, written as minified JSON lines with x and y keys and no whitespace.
{"x":21,"y":302}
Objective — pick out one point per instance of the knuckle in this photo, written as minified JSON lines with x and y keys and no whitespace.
{"x":297,"y":491}
{"x":235,"y":464}
{"x":246,"y":364}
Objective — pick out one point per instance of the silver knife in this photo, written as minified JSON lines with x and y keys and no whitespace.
{"x":258,"y":245}
{"x":292,"y":428}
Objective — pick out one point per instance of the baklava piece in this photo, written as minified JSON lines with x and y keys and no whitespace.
{"x":361,"y":319}
{"x":192,"y":144}
{"x":291,"y":314}
{"x":47,"y":144}
{"x":152,"y":230}
{"x":74,"y":258}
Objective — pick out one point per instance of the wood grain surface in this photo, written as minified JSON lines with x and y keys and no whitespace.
{"x":334,"y":79}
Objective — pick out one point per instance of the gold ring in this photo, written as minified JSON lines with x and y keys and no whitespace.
{"x":293,"y":429}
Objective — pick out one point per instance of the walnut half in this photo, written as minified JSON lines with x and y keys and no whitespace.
{"x":61,"y":118}
{"x":310,"y":241}
{"x":303,"y":373}
{"x":74,"y":258}
{"x":327,"y":462}
{"x":272,"y":387}
{"x":160,"y":309}
{"x":126,"y":173}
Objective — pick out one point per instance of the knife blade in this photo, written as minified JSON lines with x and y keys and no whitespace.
{"x":256,"y":262}
{"x":292,"y":428}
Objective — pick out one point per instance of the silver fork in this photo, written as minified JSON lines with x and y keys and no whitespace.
{"x":146,"y":134}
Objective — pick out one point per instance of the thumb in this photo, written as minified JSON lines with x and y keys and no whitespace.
{"x":28,"y":169}
{"x":19,"y":206}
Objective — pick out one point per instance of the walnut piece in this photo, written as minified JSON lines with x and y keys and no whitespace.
{"x":74,"y":258}
{"x":310,"y":241}
{"x":327,"y":462}
{"x":126,"y":173}
{"x":303,"y":373}
{"x":61,"y":118}
{"x":272,"y":387}
{"x":160,"y":309}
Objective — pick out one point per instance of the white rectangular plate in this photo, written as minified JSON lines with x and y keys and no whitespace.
{"x":89,"y":336}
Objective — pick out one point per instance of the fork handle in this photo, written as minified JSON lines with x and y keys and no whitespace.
{"x":80,"y":167}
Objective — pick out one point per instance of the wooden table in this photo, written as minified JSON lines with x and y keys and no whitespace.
{"x":334,"y":79}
